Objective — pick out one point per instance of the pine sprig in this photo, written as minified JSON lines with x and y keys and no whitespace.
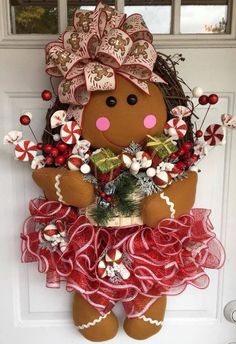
{"x":127,"y":207}
{"x":102,"y":215}
{"x":123,"y":203}
{"x":125,"y":185}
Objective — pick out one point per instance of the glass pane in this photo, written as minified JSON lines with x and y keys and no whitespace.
{"x":156,"y":13}
{"x":32,"y":16}
{"x":84,"y":5}
{"x":204,"y":17}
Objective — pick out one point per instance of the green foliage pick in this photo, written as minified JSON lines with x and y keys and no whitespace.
{"x":123,"y":203}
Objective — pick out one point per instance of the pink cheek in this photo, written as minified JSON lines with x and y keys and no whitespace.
{"x":103,"y":124}
{"x":149,"y":121}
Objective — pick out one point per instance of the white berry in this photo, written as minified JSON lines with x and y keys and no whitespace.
{"x":151,"y":172}
{"x":56,"y":137}
{"x":135,"y":166}
{"x":85,"y":169}
{"x":197,"y":92}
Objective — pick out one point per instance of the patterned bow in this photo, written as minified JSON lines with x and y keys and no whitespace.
{"x":101,"y":43}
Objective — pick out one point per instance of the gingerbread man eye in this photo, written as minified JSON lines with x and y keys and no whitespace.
{"x":111,"y":101}
{"x":132,"y":99}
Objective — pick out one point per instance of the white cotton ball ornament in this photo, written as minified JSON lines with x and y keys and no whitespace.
{"x":197,"y":92}
{"x":85,"y":169}
{"x":151,"y":172}
{"x":56,"y":137}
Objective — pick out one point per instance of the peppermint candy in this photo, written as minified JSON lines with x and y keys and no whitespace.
{"x":38,"y":162}
{"x":180,"y":111}
{"x":228,"y":121}
{"x":112,"y":265}
{"x":70,"y":132}
{"x":162,"y":179}
{"x":12,"y":137}
{"x":58,"y":119}
{"x":25,"y":150}
{"x":176,"y":128}
{"x":214,"y":135}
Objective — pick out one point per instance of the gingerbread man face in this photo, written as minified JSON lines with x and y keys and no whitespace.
{"x":113,"y":119}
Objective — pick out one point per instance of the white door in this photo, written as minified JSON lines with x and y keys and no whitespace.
{"x":32,"y":313}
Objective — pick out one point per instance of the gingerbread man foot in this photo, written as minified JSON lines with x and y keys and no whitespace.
{"x":90,"y":323}
{"x":148,"y":324}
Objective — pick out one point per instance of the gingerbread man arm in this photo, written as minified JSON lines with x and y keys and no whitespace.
{"x":181,"y":193}
{"x":66,"y":186}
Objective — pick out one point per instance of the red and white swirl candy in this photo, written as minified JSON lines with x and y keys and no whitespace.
{"x":25,"y":150}
{"x":180,"y":111}
{"x":12,"y":137}
{"x":214,"y":135}
{"x":162,"y":179}
{"x":70,"y":132}
{"x":58,"y":119}
{"x":228,"y":121}
{"x":176,"y":128}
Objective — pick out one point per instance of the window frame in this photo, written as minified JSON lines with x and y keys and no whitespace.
{"x":174,"y":39}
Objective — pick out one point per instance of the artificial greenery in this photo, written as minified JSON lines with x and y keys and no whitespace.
{"x":122,"y":203}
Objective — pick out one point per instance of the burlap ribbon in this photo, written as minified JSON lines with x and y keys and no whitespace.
{"x":101,"y":43}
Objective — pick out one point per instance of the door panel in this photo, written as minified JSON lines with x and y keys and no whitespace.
{"x":32,"y":312}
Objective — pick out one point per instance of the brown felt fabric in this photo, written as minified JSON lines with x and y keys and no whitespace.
{"x":126,"y":120}
{"x":181,"y":193}
{"x":83,"y":313}
{"x":140,"y":329}
{"x":74,"y":189}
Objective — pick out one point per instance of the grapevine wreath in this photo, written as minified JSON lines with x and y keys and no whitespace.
{"x":118,"y":165}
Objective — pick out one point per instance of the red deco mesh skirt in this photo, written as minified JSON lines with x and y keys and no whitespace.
{"x":161,"y":260}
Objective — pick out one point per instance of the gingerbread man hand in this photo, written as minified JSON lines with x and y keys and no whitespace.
{"x":181,"y":193}
{"x":65,"y":186}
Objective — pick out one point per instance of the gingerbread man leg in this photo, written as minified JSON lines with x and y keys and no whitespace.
{"x":149,"y":323}
{"x":90,"y":323}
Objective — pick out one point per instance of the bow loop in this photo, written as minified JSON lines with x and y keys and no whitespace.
{"x":114,"y":48}
{"x":99,"y":77}
{"x":139,"y":63}
{"x":137,"y":29}
{"x":74,"y":91}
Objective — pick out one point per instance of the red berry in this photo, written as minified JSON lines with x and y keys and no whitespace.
{"x":187,"y":146}
{"x":61,"y":146}
{"x":195,"y":157}
{"x":49,"y":160}
{"x":180,"y":165}
{"x":102,"y":194}
{"x":203,"y":100}
{"x":60,"y":160}
{"x":181,"y":151}
{"x":46,"y":95}
{"x":186,"y":156}
{"x":173,"y":156}
{"x":199,"y":133}
{"x":108,"y":199}
{"x":54,"y":152}
{"x":40,"y":145}
{"x":25,"y":120}
{"x":213,"y":99}
{"x":47,"y":148}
